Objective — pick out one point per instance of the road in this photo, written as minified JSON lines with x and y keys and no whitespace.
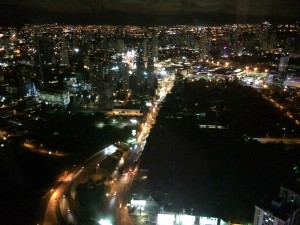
{"x":115,"y":210}
{"x":59,"y":209}
{"x":40,"y":150}
{"x":59,"y":203}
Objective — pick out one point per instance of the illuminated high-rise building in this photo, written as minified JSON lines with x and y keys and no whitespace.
{"x":64,"y":54}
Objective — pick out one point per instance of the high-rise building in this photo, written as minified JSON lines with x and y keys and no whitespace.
{"x":203,"y":46}
{"x":145,"y":49}
{"x":140,"y":70}
{"x":283,"y":210}
{"x":283,"y":63}
{"x":125,"y":76}
{"x":97,"y":72}
{"x":78,"y":64}
{"x":47,"y":61}
{"x":64,"y":54}
{"x":150,"y":76}
{"x":120,"y":46}
{"x":154,"y":46}
{"x":45,"y":51}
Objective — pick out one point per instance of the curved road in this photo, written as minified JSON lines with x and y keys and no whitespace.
{"x":59,"y":208}
{"x":59,"y":204}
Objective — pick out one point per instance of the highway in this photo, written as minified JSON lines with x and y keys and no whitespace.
{"x":59,"y":209}
{"x":115,"y":211}
{"x":116,"y":208}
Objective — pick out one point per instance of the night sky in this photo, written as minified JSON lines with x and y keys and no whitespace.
{"x":18,"y":12}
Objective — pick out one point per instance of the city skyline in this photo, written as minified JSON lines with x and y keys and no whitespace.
{"x":200,"y":121}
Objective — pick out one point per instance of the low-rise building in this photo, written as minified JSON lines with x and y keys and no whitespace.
{"x":53,"y":96}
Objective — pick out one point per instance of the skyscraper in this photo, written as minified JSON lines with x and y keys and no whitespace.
{"x":140,"y":70}
{"x":125,"y":76}
{"x":203,"y":45}
{"x":64,"y":54}
{"x":46,"y":60}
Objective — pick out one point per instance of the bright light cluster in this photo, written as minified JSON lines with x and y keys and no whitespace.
{"x":104,"y":222}
{"x":165,"y":219}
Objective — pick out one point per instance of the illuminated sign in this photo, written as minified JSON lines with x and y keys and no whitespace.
{"x":208,"y":220}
